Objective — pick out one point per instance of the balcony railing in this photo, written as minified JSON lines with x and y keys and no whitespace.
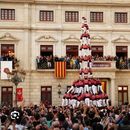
{"x":103,"y":64}
{"x":96,"y":64}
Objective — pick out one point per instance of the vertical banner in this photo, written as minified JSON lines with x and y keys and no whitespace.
{"x":19,"y":94}
{"x":6,"y":67}
{"x":103,"y":83}
{"x":60,"y":69}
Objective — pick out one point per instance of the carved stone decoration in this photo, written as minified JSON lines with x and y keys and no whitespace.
{"x":121,"y":39}
{"x":71,"y":39}
{"x":98,"y":39}
{"x":46,"y":38}
{"x":8,"y":37}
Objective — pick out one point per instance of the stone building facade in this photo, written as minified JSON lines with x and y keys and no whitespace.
{"x":27,"y":30}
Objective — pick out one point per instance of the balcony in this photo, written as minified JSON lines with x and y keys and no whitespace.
{"x":73,"y":64}
{"x":96,"y":65}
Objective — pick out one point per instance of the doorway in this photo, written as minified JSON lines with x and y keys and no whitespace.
{"x":46,"y":95}
{"x":122,"y":94}
{"x":7,"y":96}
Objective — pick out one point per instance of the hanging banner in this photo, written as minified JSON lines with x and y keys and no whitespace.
{"x":19,"y":94}
{"x":103,"y":83}
{"x":6,"y":67}
{"x":60,"y":69}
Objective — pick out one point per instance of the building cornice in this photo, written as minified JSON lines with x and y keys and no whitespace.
{"x":84,"y":3}
{"x":64,"y":29}
{"x":66,"y":2}
{"x":17,"y":1}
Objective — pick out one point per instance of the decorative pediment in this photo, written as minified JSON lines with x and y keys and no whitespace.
{"x":46,"y":38}
{"x":98,"y":39}
{"x":8,"y":37}
{"x":121,"y":39}
{"x":71,"y":39}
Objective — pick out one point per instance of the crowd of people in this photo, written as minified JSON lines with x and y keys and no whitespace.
{"x":73,"y":62}
{"x":47,"y":117}
{"x":9,"y":57}
{"x":47,"y":62}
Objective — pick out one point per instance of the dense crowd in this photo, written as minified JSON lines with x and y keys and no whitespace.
{"x":73,"y":62}
{"x":47,"y":117}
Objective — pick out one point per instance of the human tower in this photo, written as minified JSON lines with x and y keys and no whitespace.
{"x":86,"y":89}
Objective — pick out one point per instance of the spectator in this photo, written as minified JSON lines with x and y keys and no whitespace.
{"x":75,"y":126}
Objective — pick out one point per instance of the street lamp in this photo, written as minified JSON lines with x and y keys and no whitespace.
{"x":16,"y":76}
{"x":59,"y":91}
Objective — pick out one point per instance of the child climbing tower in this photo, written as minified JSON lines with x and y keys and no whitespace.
{"x":86,"y":89}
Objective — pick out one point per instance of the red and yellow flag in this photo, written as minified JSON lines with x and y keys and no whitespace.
{"x":60,"y":69}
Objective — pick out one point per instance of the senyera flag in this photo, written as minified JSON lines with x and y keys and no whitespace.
{"x":60,"y":69}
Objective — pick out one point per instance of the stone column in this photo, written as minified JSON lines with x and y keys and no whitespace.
{"x":113,"y":92}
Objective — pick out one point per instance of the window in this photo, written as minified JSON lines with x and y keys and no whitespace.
{"x":46,"y":95}
{"x":96,"y":16}
{"x":71,"y":16}
{"x":46,"y":15}
{"x":71,"y":50}
{"x":97,"y":51}
{"x":46,"y":50}
{"x":7,"y":14}
{"x":121,"y":51}
{"x":120,"y":17}
{"x":46,"y":62}
{"x":6,"y":48}
{"x":72,"y":54}
{"x":122,"y":94}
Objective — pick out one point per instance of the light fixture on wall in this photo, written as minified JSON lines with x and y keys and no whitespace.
{"x":59,"y":90}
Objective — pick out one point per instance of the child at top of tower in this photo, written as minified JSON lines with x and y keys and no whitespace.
{"x":85,"y":27}
{"x":84,"y":20}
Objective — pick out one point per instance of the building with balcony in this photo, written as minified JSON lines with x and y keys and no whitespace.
{"x":37,"y":28}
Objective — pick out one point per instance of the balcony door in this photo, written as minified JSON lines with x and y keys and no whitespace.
{"x":46,"y":94}
{"x":6,"y":48}
{"x":97,"y":51}
{"x":46,"y":50}
{"x":72,"y":50}
{"x":7,"y":96}
{"x":121,"y":51}
{"x":122,"y":94}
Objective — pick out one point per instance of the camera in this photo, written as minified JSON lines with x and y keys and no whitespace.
{"x":15,"y":115}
